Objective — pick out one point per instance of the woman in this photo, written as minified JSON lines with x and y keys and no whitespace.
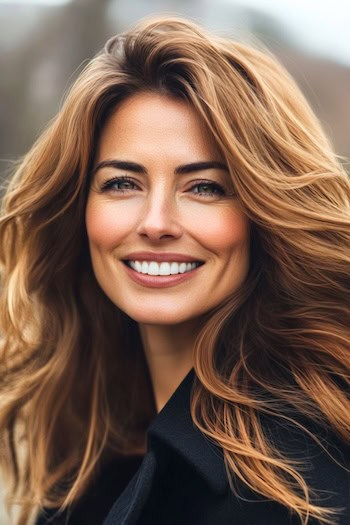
{"x":175,"y":296}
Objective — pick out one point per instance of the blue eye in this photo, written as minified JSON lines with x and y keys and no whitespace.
{"x":208,"y":189}
{"x":123,"y":184}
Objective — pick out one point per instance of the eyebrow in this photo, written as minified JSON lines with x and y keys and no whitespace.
{"x":180,"y":170}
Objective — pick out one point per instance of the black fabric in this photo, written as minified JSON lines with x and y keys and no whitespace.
{"x":94,"y":506}
{"x":182,"y":480}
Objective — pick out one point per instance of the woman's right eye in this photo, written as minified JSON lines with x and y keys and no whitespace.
{"x":118,"y":184}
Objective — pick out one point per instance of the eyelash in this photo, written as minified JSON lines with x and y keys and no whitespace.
{"x":108,"y":185}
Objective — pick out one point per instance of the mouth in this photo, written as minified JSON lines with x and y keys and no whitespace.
{"x":162,"y":268}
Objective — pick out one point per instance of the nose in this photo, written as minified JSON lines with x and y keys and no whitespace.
{"x":159,"y":217}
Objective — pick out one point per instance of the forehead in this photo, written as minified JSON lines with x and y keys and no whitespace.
{"x":149,"y":123}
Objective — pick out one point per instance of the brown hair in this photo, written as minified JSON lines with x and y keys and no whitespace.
{"x":287,"y":335}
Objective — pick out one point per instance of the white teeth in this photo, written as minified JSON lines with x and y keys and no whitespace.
{"x":138,"y":266}
{"x":164,"y":268}
{"x":153,"y":268}
{"x":174,"y":268}
{"x":182,"y":267}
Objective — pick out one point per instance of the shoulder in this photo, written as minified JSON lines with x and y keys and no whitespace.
{"x":194,"y":482}
{"x":319,"y":456}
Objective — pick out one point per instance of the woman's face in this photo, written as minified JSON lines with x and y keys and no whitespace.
{"x":168,"y":240}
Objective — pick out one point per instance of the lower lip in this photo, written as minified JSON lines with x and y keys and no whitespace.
{"x":156,"y":281}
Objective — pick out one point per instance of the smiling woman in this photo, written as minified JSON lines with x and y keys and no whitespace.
{"x":175,"y":255}
{"x":169,"y":199}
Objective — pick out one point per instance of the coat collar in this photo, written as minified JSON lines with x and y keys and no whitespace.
{"x":174,"y":428}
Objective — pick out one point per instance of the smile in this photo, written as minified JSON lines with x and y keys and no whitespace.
{"x":163,"y":268}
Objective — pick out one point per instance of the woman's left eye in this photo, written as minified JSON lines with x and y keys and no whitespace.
{"x":208,"y":189}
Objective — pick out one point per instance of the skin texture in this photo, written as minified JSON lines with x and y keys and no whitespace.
{"x":163,"y":211}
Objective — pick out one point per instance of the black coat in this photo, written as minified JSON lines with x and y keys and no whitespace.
{"x":182,"y":480}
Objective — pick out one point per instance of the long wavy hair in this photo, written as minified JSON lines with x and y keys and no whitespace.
{"x":280,"y":346}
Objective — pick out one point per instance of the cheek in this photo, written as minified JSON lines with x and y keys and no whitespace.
{"x":106,"y":225}
{"x":223,"y":231}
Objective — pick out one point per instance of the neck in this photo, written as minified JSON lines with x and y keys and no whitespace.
{"x":169,"y":354}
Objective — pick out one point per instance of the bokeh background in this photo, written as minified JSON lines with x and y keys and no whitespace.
{"x":45,"y":43}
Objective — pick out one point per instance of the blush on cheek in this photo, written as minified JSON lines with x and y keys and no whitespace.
{"x":225,"y":230}
{"x":104,"y":225}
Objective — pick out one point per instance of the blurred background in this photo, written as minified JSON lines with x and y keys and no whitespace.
{"x":44,"y":44}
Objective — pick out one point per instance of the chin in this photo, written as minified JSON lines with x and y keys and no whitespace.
{"x":159,"y":316}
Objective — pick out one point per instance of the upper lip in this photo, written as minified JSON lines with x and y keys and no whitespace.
{"x":160,"y":257}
